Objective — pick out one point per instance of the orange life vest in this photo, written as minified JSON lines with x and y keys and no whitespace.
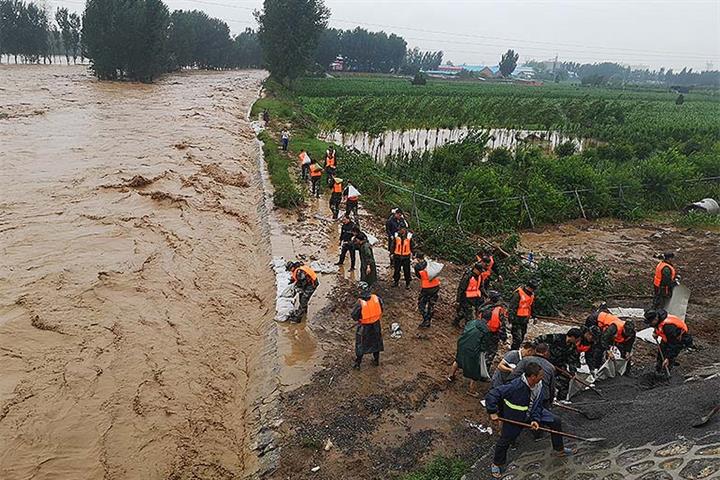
{"x":581,"y":347}
{"x":402,"y":246}
{"x":371,"y":310}
{"x":337,"y":187}
{"x":308,"y":271}
{"x":606,"y":319}
{"x":425,"y":281}
{"x":525,"y":303}
{"x":495,"y":321}
{"x":330,"y":161}
{"x":315,"y":170}
{"x":473,"y":288}
{"x":658,"y":272}
{"x":670,"y":320}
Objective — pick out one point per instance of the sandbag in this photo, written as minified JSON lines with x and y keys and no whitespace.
{"x":433,"y":269}
{"x":353,"y":192}
{"x":678,"y":303}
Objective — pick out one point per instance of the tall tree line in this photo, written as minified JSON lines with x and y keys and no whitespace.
{"x":141,"y":39}
{"x":361,"y":50}
{"x":28,"y":34}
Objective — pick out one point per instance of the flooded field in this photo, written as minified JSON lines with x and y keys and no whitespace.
{"x":135,"y":293}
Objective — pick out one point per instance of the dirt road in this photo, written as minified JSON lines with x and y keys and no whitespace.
{"x":134,"y":290}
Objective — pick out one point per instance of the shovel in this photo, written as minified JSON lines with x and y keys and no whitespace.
{"x":706,"y":418}
{"x":581,"y":382}
{"x":588,"y":415}
{"x":662,"y":357}
{"x":562,"y":434}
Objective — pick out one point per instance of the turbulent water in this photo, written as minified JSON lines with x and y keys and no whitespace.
{"x":134,"y":290}
{"x":397,"y":142}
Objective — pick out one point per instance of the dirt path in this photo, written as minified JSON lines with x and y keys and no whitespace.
{"x":135,"y":296}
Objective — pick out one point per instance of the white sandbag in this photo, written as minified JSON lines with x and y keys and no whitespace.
{"x":284,"y":304}
{"x":372,"y":239}
{"x":678,"y":303}
{"x":627,"y":312}
{"x":646,"y":335}
{"x":324,"y":267}
{"x":433,"y":269}
{"x":353,"y":192}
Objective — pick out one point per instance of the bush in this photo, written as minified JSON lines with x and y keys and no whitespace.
{"x":565,"y":149}
{"x":419,"y":79}
{"x":440,"y":468}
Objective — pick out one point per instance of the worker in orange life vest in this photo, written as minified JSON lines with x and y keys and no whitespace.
{"x":403,"y":250}
{"x":520,"y":311}
{"x":664,"y":280}
{"x":673,"y":335}
{"x":315,"y":176}
{"x":491,"y":267}
{"x":429,"y":291}
{"x":306,"y":281}
{"x":494,"y":314}
{"x":330,"y":164}
{"x":336,"y":197}
{"x":468,"y":295}
{"x":617,"y":332}
{"x":368,"y":335}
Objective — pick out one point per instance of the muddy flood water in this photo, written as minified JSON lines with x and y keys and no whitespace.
{"x":135,"y":293}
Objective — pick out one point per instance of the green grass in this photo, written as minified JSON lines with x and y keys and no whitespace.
{"x":440,"y":468}
{"x":287,"y":192}
{"x":700,"y":220}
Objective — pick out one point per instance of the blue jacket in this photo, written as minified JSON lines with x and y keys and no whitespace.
{"x":511,"y":401}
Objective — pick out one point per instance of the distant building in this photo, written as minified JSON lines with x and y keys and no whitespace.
{"x":524,"y":72}
{"x":483,"y":71}
{"x":338,"y":65}
{"x":449,"y":68}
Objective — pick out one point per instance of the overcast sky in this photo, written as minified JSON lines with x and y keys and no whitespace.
{"x":649,"y":33}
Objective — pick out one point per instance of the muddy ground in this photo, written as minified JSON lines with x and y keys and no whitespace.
{"x":135,"y":298}
{"x":382,"y":422}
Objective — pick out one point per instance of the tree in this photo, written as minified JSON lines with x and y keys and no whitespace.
{"x":289,"y":32}
{"x":75,"y":24}
{"x":63,"y":21}
{"x":416,"y":60}
{"x":508,"y":63}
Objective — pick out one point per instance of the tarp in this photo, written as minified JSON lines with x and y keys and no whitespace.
{"x":647,"y":335}
{"x":679,"y":301}
{"x":353,"y":192}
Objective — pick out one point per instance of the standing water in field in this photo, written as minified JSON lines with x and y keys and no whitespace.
{"x":397,"y":142}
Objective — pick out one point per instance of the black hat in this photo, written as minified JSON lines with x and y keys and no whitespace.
{"x":668,"y":255}
{"x":495,"y":296}
{"x":533,"y":283}
{"x":289,"y":266}
{"x":574,"y":332}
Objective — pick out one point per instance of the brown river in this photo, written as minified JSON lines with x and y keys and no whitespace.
{"x":135,"y":293}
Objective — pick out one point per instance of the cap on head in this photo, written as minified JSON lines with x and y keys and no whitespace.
{"x":668,"y":255}
{"x":652,"y":315}
{"x":495,"y":296}
{"x":290,"y":266}
{"x":534,"y":283}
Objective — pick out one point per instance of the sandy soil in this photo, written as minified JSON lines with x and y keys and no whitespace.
{"x":134,"y":290}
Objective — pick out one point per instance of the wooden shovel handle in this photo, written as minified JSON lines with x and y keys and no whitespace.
{"x":544,"y":429}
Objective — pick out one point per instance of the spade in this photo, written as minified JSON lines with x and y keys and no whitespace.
{"x":706,"y":418}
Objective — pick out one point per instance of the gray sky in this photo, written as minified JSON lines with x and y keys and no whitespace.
{"x":650,"y":33}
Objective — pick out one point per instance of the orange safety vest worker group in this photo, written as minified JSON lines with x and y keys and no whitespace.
{"x":473,"y":289}
{"x":371,"y":310}
{"x":330,"y":161}
{"x":308,"y":271}
{"x":606,"y":319}
{"x":425,"y":281}
{"x":315,"y":170}
{"x":670,"y":320}
{"x":658,"y":273}
{"x":495,"y":321}
{"x":402,"y":245}
{"x":525,"y":305}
